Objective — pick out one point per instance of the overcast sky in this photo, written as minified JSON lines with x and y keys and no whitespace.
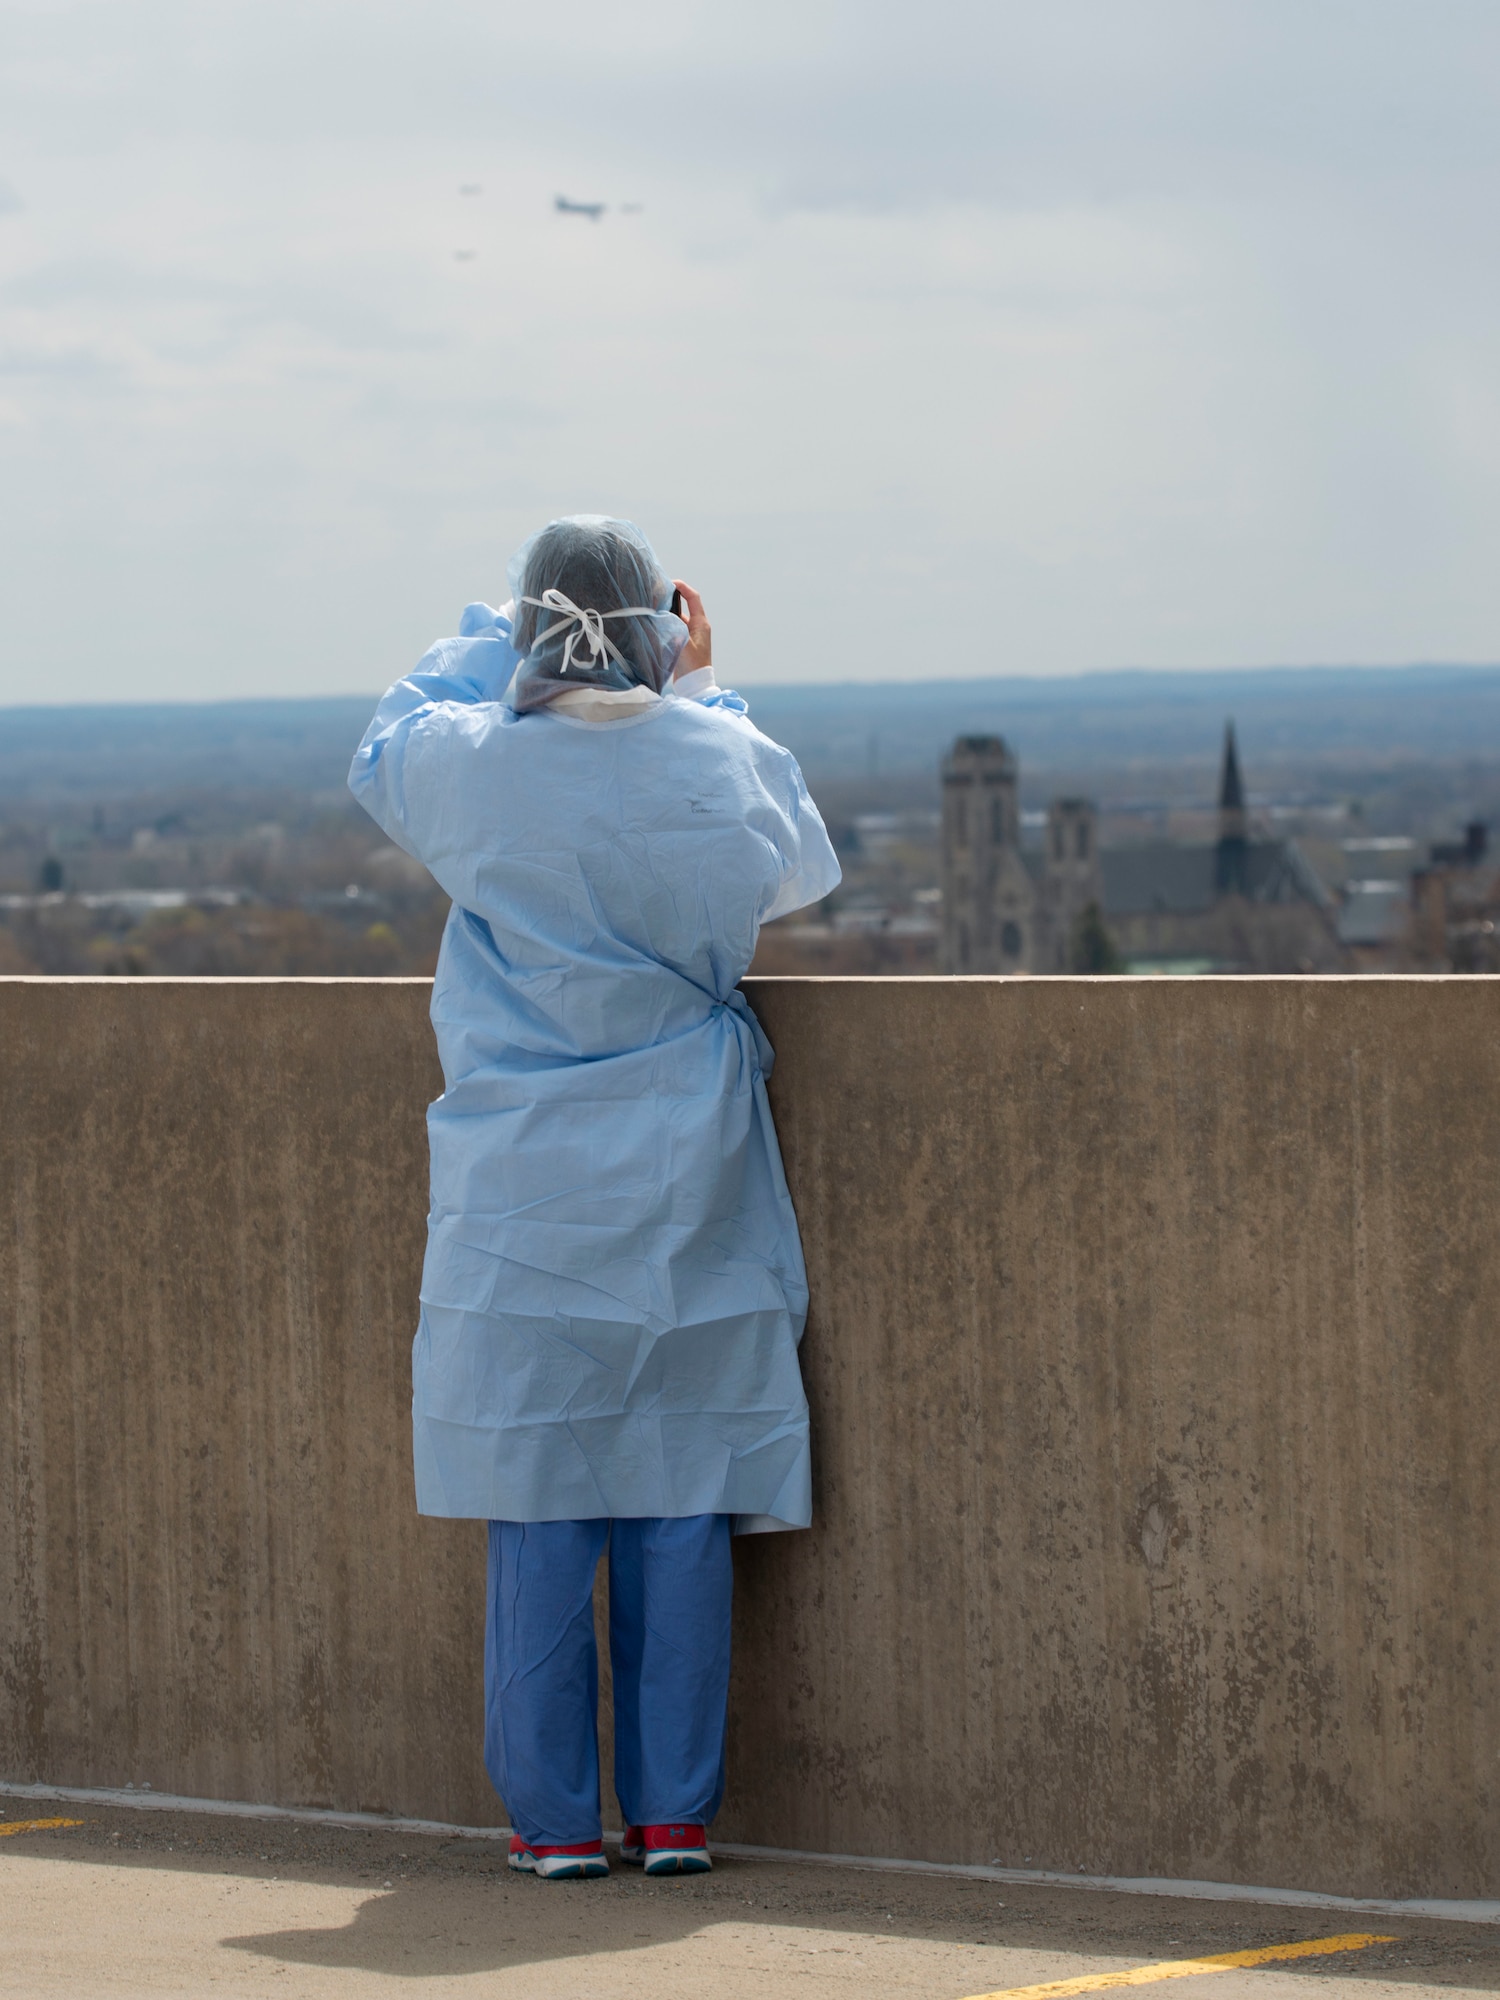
{"x":985,"y":338}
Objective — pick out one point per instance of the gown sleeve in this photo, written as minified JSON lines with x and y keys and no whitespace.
{"x":810,"y":864}
{"x":810,"y":868}
{"x":419,"y":717}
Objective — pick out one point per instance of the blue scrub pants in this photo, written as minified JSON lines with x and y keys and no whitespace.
{"x":670,"y":1587}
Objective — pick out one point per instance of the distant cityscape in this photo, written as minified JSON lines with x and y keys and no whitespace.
{"x":1041,"y":892}
{"x":1345,"y":827}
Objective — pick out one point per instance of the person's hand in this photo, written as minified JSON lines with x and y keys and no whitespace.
{"x":698,"y":652}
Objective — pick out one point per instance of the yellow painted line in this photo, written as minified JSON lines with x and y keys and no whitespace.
{"x":1184,"y":1968}
{"x":9,"y":1826}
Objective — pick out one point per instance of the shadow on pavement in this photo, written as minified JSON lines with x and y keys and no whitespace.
{"x":453,"y":1907}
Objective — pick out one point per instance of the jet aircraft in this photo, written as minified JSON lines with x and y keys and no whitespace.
{"x":592,"y":209}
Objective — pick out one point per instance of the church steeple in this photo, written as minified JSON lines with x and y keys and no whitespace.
{"x":1229,"y":871}
{"x":1231,"y":791}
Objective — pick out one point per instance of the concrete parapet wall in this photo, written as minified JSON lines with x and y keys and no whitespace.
{"x":1153,"y":1362}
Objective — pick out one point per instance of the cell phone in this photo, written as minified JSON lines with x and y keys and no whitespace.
{"x":676,"y":606}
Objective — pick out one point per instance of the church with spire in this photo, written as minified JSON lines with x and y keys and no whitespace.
{"x":1245,"y":901}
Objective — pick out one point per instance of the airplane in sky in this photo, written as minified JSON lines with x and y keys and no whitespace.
{"x":592,"y":209}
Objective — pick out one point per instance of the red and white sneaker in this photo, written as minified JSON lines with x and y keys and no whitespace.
{"x":558,"y":1863}
{"x":633,"y":1846}
{"x":672,"y":1850}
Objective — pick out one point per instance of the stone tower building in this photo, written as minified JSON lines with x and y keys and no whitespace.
{"x":1072,"y":877}
{"x":989,"y":904}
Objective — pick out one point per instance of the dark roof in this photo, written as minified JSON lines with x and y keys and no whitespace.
{"x":1180,"y":880}
{"x":1163,"y":877}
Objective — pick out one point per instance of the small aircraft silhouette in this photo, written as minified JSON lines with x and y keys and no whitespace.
{"x":592,"y":209}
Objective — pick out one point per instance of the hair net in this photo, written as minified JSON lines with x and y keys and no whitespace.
{"x":590,"y":611}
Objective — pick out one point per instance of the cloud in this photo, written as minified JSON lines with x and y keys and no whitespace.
{"x":1162,"y":331}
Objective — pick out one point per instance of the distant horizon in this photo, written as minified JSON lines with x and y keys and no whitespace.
{"x":883,"y":683}
{"x":1330,"y":719}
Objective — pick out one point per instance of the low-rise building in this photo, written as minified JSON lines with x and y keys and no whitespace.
{"x":1455,"y":907}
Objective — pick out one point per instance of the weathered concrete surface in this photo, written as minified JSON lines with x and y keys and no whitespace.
{"x":1153,"y":1362}
{"x":212,"y":1577}
{"x":136,"y":1903}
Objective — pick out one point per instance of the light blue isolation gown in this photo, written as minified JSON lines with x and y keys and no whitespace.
{"x":614,"y":1290}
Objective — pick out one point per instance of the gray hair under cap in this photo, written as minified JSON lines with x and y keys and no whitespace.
{"x":591,"y":610}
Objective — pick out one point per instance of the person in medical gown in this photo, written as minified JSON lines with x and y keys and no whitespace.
{"x":613,"y":1291}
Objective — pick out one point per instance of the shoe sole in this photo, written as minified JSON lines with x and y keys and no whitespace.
{"x":678,"y":1861}
{"x":571,"y":1868}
